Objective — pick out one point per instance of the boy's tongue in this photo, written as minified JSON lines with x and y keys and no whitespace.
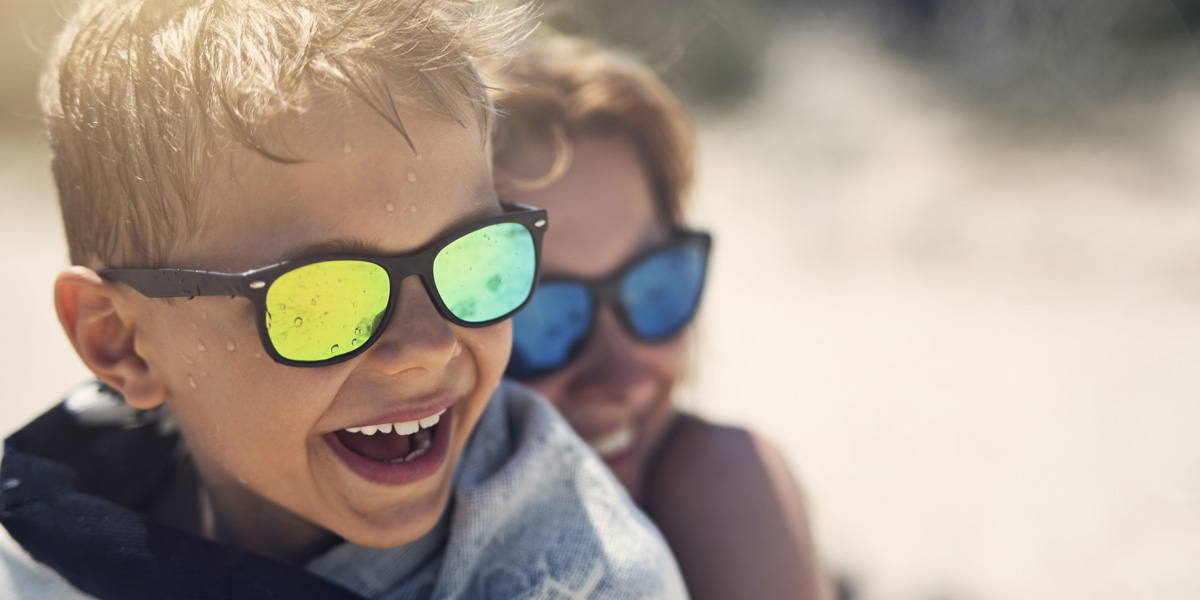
{"x":381,"y":446}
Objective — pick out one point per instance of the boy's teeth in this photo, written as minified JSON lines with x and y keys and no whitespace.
{"x":405,"y":428}
{"x":430,"y":421}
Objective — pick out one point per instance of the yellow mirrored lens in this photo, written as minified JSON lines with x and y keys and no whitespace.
{"x":487,"y":273}
{"x":326,"y":309}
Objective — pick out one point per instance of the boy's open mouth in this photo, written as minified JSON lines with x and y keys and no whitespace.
{"x":391,"y":442}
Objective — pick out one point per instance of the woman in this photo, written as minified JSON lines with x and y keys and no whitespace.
{"x":597,"y":139}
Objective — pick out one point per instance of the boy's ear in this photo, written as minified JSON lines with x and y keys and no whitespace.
{"x":103,"y":338}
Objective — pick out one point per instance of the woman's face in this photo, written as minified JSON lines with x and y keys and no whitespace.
{"x":616,"y":393}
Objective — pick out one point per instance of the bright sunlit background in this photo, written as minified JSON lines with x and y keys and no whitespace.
{"x":957,"y":273}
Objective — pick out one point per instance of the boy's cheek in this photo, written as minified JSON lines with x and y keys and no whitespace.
{"x":490,"y":347}
{"x":188,"y":342}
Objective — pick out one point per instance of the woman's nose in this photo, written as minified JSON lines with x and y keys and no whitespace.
{"x":610,"y":369}
{"x":417,"y":339}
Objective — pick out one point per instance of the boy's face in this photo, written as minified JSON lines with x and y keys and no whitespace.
{"x":264,"y":435}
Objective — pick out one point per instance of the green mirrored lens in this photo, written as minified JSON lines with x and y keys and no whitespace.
{"x":326,"y":309}
{"x":487,"y":273}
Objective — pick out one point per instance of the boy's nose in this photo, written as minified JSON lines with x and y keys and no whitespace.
{"x":417,"y":339}
{"x":610,"y":368}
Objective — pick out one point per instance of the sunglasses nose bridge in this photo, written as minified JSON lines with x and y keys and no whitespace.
{"x":608,"y":293}
{"x":398,"y":269}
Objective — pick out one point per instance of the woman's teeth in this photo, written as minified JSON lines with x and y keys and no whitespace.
{"x":405,"y":428}
{"x":613,"y":443}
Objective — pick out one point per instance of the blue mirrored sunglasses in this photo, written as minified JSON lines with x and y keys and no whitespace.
{"x":654,"y":295}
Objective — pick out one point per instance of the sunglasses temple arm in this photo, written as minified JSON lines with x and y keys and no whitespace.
{"x":175,"y":283}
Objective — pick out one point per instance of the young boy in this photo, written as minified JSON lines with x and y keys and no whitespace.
{"x":283,"y":409}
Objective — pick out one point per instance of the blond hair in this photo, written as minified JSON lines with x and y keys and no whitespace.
{"x":139,"y":93}
{"x":567,"y":87}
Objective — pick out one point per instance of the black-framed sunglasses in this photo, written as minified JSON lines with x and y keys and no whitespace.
{"x":654,"y":294}
{"x":322,"y":310}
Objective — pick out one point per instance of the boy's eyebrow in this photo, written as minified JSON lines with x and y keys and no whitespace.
{"x":360,"y":245}
{"x":354,"y":245}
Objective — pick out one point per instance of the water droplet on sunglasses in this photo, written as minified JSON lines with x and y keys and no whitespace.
{"x":353,"y":343}
{"x":359,"y":331}
{"x":412,"y":177}
{"x":282,"y":307}
{"x":230,"y":347}
{"x":334,"y":348}
{"x":314,"y":301}
{"x":299,"y":321}
{"x":390,"y":207}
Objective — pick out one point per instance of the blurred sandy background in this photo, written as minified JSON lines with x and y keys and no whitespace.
{"x":957,"y":274}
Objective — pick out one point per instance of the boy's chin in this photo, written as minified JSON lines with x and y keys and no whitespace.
{"x":399,"y":528}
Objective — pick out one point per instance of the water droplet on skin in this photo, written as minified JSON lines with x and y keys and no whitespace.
{"x":230,"y":347}
{"x":334,"y":348}
{"x":259,"y":354}
{"x":347,"y":149}
{"x":194,"y":326}
{"x":187,"y":359}
{"x":457,"y":349}
{"x":204,"y":373}
{"x":200,"y":347}
{"x":419,"y":157}
{"x":413,"y":208}
{"x":391,"y":207}
{"x":299,"y":321}
{"x":191,"y":382}
{"x":412,"y":177}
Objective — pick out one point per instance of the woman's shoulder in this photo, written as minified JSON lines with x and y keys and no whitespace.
{"x":700,"y":454}
{"x":733,"y":514}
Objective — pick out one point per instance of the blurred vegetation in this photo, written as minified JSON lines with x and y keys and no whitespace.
{"x":1052,"y":56}
{"x":1048,"y":56}
{"x":709,"y":51}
